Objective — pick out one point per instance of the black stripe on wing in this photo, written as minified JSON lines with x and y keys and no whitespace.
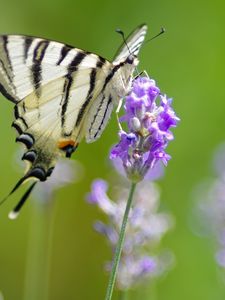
{"x":104,"y":116}
{"x":64,"y":51}
{"x":95,"y":116}
{"x":66,"y":92}
{"x":100,"y":63}
{"x":72,"y":68}
{"x":5,"y":46}
{"x":111,"y":74}
{"x":88,"y":98}
{"x":27,"y":43}
{"x":36,"y":68}
{"x":7,"y":91}
{"x":6,"y":94}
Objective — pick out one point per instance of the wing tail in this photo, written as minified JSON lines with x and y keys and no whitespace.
{"x":15,"y":212}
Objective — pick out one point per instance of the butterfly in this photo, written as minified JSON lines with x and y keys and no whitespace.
{"x":60,"y":95}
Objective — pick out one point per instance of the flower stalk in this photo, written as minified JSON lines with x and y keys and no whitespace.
{"x":119,"y":246}
{"x":39,"y":252}
{"x":148,"y":117}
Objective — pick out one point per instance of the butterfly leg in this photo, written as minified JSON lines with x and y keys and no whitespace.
{"x":140,"y":74}
{"x":146,"y":73}
{"x":117,"y":114}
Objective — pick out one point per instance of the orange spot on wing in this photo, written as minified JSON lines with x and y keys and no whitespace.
{"x":64,"y":143}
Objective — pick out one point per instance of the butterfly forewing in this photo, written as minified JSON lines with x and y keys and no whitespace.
{"x":133,"y":44}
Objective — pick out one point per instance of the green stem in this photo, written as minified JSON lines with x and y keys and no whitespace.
{"x":39,"y":246}
{"x":119,"y":246}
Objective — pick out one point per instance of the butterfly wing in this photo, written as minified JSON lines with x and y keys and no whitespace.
{"x":98,"y":116}
{"x":60,"y":93}
{"x":117,"y":85}
{"x":54,"y":127}
{"x":52,"y":85}
{"x":26,"y":63}
{"x":133,"y":44}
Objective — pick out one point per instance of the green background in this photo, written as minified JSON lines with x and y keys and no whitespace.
{"x":188,"y":64}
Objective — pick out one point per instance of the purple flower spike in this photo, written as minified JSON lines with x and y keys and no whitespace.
{"x":210,"y":210}
{"x":99,"y":196}
{"x":147,"y":265}
{"x":149,"y":117}
{"x":147,"y":226}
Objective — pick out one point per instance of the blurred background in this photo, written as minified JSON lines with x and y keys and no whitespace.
{"x":188,"y":64}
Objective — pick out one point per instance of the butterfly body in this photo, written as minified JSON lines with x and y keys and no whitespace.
{"x":61,"y":94}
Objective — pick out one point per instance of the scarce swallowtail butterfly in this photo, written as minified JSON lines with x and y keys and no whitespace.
{"x":60,"y":95}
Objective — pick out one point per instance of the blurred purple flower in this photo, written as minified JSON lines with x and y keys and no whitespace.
{"x":98,"y":196}
{"x":211,"y":206}
{"x":144,"y":231}
{"x":149,"y":126}
{"x":135,"y":269}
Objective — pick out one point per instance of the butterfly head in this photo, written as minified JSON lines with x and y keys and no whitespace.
{"x":132,"y":60}
{"x":123,"y":74}
{"x":130,"y":65}
{"x":126,"y":61}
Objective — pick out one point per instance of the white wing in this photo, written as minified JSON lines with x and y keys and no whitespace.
{"x":133,"y":44}
{"x":27,"y":63}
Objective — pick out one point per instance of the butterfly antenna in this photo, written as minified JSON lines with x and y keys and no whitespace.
{"x":123,"y":37}
{"x":163,"y":30}
{"x":15,"y":212}
{"x":125,"y":42}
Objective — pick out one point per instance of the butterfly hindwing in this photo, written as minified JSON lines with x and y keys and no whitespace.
{"x":51,"y":125}
{"x":98,"y":116}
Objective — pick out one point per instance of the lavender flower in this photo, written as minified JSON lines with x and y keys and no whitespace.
{"x":149,"y":124}
{"x":144,"y":231}
{"x":211,"y":207}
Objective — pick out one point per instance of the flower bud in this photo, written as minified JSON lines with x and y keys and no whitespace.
{"x":135,"y":124}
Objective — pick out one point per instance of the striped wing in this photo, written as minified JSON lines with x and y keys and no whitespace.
{"x":133,"y":44}
{"x":98,"y":116}
{"x":53,"y":86}
{"x":27,"y":63}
